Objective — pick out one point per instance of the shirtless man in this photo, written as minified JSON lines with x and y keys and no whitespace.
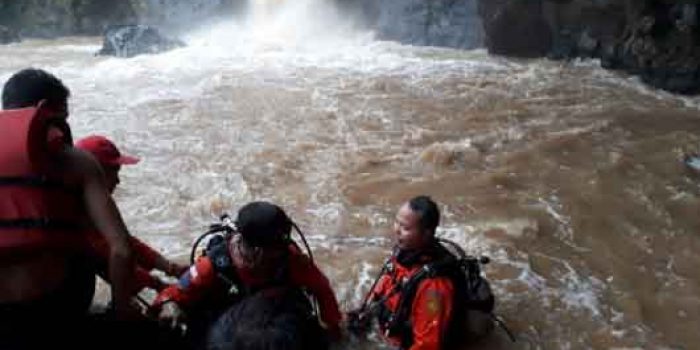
{"x":47,"y":188}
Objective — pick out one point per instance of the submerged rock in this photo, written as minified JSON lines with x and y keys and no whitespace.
{"x":134,"y":40}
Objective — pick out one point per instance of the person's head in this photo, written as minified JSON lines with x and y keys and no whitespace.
{"x":30,"y":86}
{"x":108,"y":155}
{"x":258,"y":322}
{"x":416,"y":222}
{"x":264,"y":234}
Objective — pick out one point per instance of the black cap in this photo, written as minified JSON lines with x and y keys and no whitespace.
{"x":263,"y":224}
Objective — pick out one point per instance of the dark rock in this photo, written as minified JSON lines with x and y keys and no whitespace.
{"x":610,"y":56}
{"x":656,"y":39}
{"x":515,"y":28}
{"x":685,"y":16}
{"x":450,"y":23}
{"x":662,"y":47}
{"x":672,"y":78}
{"x":364,"y":12}
{"x":8,"y":35}
{"x":587,"y":46}
{"x":563,"y":46}
{"x":133,"y":40}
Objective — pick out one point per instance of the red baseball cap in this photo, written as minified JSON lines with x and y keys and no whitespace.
{"x":105,"y":151}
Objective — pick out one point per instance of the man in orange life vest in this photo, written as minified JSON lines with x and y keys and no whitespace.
{"x":423,"y":323}
{"x":48,"y":188}
{"x":260,"y":256}
{"x":111,"y":160}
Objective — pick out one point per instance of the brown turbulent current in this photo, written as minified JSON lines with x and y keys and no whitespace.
{"x":566,"y":175}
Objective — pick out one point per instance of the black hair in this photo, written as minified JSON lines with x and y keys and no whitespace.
{"x":265,"y":321}
{"x":427,"y":210}
{"x":264,"y":224}
{"x":28,"y":87}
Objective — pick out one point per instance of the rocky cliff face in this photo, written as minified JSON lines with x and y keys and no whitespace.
{"x":50,"y":18}
{"x":657,"y":39}
{"x":515,"y":28}
{"x":451,"y":23}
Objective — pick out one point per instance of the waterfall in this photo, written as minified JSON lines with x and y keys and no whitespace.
{"x":295,"y":21}
{"x":451,"y":23}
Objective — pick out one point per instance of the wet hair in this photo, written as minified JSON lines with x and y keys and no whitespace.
{"x":427,"y":210}
{"x":28,"y":87}
{"x":262,"y":224}
{"x":265,"y":321}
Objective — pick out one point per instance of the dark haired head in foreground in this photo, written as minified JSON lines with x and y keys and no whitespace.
{"x":278,"y":319}
{"x":28,"y":87}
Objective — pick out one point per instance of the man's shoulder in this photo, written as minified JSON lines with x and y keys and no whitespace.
{"x":76,"y":165}
{"x":437,"y":281}
{"x":78,"y":155}
{"x":435,"y":291}
{"x":299,"y":259}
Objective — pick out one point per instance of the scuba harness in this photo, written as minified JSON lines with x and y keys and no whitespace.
{"x":272,"y":229}
{"x":473,"y":295}
{"x":217,"y":249}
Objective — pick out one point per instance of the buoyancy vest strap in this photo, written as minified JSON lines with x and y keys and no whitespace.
{"x":31,"y":181}
{"x":48,"y":224}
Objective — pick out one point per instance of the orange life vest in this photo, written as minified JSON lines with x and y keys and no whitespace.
{"x":36,"y":211}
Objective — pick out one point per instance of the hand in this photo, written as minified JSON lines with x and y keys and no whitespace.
{"x":171,"y":315}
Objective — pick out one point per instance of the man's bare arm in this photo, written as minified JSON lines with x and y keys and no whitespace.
{"x":106,"y":218}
